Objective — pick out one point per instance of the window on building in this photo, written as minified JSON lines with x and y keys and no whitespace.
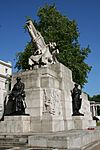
{"x":6,"y":70}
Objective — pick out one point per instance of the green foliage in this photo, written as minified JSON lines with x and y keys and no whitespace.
{"x":95,"y":98}
{"x":98,"y":123}
{"x":22,"y":57}
{"x":55,"y":27}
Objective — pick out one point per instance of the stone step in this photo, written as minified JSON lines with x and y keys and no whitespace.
{"x":20,"y":148}
{"x":70,"y":140}
{"x":66,"y":140}
{"x":24,"y":148}
{"x":11,"y":141}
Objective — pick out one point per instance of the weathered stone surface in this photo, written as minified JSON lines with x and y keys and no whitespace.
{"x":80,"y":122}
{"x":85,"y":109}
{"x":75,"y":139}
{"x":49,"y":101}
{"x":15,"y":124}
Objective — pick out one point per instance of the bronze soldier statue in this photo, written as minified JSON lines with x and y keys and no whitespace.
{"x":16,"y":101}
{"x":76,"y":101}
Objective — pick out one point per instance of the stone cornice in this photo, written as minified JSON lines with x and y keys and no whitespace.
{"x":5,"y":64}
{"x":3,"y":76}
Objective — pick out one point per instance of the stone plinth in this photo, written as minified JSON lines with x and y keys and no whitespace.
{"x":52,"y":124}
{"x":15,"y":124}
{"x":80,"y":122}
{"x":48,"y":98}
{"x":47,"y":124}
{"x":67,"y":140}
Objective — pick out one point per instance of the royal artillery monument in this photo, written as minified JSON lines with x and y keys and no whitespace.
{"x":53,"y":107}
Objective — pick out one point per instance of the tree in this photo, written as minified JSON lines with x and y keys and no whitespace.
{"x":55,"y":27}
{"x":95,"y":98}
{"x":22,"y":57}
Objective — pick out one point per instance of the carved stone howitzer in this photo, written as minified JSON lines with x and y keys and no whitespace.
{"x":45,"y":54}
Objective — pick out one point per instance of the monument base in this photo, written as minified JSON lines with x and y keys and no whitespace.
{"x":70,"y":140}
{"x":69,"y":124}
{"x":81,"y":123}
{"x":49,"y":100}
{"x":47,"y":124}
{"x":15,"y":124}
{"x":52,"y":124}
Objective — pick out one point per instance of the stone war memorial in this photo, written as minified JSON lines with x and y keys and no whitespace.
{"x":45,"y":108}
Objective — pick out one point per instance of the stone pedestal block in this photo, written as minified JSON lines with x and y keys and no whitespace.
{"x":49,"y":101}
{"x":15,"y":124}
{"x":81,"y":123}
{"x":69,"y":124}
{"x":70,"y":140}
{"x":52,"y":123}
{"x":48,"y":123}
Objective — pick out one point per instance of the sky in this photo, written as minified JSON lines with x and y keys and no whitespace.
{"x":13,"y":37}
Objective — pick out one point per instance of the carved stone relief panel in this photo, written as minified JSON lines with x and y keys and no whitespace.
{"x":52,"y":101}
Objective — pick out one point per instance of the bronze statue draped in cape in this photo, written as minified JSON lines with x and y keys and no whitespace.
{"x":16,"y":100}
{"x":76,"y":101}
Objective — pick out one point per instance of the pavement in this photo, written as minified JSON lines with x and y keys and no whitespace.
{"x":26,"y":148}
{"x":92,"y":146}
{"x":97,"y":147}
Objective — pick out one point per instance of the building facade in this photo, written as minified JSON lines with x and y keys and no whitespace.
{"x":5,"y":74}
{"x":95,"y":108}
